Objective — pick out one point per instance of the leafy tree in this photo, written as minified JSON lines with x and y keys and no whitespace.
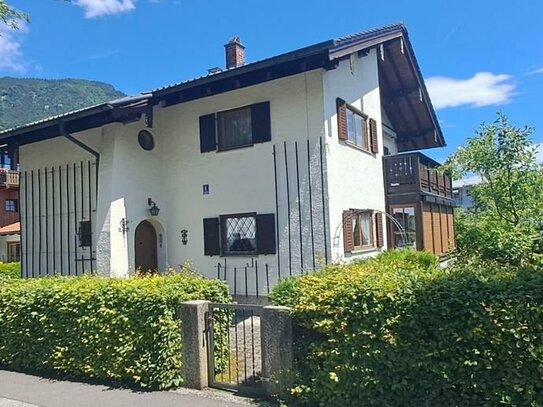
{"x":507,"y":221}
{"x":10,"y":16}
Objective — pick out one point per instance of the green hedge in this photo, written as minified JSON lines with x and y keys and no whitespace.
{"x":388,"y":332}
{"x":10,"y":270}
{"x":112,"y":329}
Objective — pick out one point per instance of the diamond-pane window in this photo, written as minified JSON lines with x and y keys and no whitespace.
{"x":238,"y":234}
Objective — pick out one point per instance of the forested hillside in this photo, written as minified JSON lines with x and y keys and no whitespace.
{"x":27,"y":100}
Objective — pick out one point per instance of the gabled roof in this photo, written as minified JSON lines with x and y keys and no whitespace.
{"x":400,"y":78}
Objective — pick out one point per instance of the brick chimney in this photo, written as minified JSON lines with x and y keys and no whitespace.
{"x":235,"y":53}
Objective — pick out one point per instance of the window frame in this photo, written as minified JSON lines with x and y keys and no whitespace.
{"x":355,"y":213}
{"x":220,"y":131}
{"x":403,"y":207}
{"x":17,"y":251}
{"x":15,"y":205}
{"x":366,"y":137}
{"x":222,"y":234}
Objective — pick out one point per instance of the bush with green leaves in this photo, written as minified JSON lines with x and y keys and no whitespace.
{"x":388,"y":332}
{"x":10,"y":270}
{"x":506,"y":221}
{"x":125,"y":330}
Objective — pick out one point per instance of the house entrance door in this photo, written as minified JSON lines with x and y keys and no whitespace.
{"x":146,"y":248}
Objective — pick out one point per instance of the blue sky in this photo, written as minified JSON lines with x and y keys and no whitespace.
{"x":478,"y":56}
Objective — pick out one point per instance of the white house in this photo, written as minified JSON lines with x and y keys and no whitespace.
{"x":250,"y":174}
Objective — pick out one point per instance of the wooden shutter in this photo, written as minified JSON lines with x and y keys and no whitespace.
{"x":374,"y":141}
{"x":380,"y":241}
{"x":265,"y":233}
{"x":261,"y":122}
{"x":341,"y":119}
{"x":208,"y":137}
{"x":211,"y":237}
{"x":348,"y":242}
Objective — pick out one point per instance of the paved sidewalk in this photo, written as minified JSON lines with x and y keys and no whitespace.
{"x":24,"y":390}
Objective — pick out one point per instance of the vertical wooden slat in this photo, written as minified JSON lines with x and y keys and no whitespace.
{"x":444,"y":228}
{"x":341,"y":119}
{"x":436,"y":230}
{"x":348,"y":242}
{"x":380,"y":241}
{"x":427,"y":229}
{"x":374,"y":139}
{"x":76,"y":244}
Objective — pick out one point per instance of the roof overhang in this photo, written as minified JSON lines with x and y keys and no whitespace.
{"x":404,"y":95}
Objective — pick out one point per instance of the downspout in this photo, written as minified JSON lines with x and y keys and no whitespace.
{"x":85,"y":147}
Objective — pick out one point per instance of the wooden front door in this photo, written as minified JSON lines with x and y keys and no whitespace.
{"x":146,"y":248}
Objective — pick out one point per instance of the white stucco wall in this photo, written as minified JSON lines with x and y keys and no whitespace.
{"x":302,"y":108}
{"x":174,"y":173}
{"x":355,"y":178}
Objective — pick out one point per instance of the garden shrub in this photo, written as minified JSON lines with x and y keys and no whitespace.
{"x":126,"y":330}
{"x":407,"y":333}
{"x":10,"y":270}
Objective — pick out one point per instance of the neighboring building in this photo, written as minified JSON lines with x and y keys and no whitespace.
{"x":462,"y":193}
{"x":257,"y":172}
{"x":10,"y":238}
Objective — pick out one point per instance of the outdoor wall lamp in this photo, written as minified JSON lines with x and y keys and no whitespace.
{"x":154,"y":210}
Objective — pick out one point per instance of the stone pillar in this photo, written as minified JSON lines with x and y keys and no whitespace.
{"x":193,"y":326}
{"x":277,"y":355}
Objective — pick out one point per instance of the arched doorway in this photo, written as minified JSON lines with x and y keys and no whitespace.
{"x":146,"y":248}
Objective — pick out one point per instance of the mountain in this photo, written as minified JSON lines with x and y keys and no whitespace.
{"x":25,"y":100}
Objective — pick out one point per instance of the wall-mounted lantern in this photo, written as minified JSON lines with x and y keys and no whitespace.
{"x":153,"y":210}
{"x":184,"y":237}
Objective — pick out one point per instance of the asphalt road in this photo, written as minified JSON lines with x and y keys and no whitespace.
{"x":24,"y":390}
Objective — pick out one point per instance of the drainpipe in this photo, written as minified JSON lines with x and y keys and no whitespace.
{"x":85,"y":147}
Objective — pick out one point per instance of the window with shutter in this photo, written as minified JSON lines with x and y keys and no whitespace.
{"x":240,"y":234}
{"x":354,"y":127}
{"x":235,"y":128}
{"x":359,"y":231}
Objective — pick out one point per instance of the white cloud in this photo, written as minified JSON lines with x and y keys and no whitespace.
{"x":535,"y":71}
{"x":482,"y":89}
{"x":96,"y":8}
{"x":10,"y":48}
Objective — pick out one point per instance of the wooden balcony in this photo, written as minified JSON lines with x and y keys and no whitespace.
{"x":9,"y":179}
{"x":415,"y":173}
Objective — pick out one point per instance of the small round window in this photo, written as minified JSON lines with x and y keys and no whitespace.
{"x":146,"y":140}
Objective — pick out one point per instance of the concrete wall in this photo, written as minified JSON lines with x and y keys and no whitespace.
{"x":355,"y":177}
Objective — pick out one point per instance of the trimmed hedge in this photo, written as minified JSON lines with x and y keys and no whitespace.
{"x":10,"y":270}
{"x":407,"y":333}
{"x":113,"y":329}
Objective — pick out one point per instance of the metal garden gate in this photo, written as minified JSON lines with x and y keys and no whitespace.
{"x":235,"y":347}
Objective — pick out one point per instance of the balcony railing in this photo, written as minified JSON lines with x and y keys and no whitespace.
{"x":415,"y":172}
{"x":9,"y":179}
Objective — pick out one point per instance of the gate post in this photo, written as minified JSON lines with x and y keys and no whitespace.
{"x":193,"y":330}
{"x":277,"y":355}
